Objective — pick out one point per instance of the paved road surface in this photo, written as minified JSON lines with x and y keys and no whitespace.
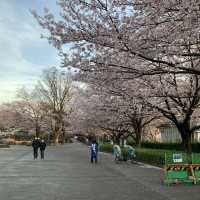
{"x":66,"y":174}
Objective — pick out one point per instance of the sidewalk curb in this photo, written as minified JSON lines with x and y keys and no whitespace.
{"x":149,"y":166}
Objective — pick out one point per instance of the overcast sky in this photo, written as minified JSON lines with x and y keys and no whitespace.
{"x":23,"y":54}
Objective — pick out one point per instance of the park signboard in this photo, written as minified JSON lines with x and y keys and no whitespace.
{"x":177,"y":158}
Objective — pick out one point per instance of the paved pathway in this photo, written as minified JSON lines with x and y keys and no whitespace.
{"x":66,"y":174}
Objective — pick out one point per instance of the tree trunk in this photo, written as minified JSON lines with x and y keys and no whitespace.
{"x":56,"y":138}
{"x":116,"y":140}
{"x":37,"y":130}
{"x":63,"y":136}
{"x":56,"y":134}
{"x":138,"y":138}
{"x":63,"y":133}
{"x":187,"y":144}
{"x":57,"y":129}
{"x":184,"y":130}
{"x":137,"y":127}
{"x":122,"y":142}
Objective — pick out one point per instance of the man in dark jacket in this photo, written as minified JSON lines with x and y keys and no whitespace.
{"x":35,"y":145}
{"x":42,"y":148}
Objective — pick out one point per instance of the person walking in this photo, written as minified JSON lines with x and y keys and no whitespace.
{"x":94,"y":151}
{"x":42,"y":148}
{"x":35,"y":145}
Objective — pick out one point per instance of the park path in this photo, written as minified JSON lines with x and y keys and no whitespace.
{"x":66,"y":174}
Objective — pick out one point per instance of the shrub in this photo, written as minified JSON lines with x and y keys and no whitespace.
{"x":166,"y":146}
{"x":130,"y":141}
{"x":82,"y":139}
{"x":151,"y":156}
{"x":196,"y":147}
{"x":27,"y":143}
{"x":125,"y":153}
{"x":68,"y":140}
{"x":20,"y":135}
{"x":158,"y":145}
{"x":170,"y":146}
{"x":106,"y":148}
{"x":9,"y":141}
{"x":4,"y":146}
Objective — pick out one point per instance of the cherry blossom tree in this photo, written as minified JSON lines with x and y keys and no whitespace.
{"x":163,"y":35}
{"x":177,"y":98}
{"x":55,"y":91}
{"x":154,"y":44}
{"x":9,"y":118}
{"x":31,"y":108}
{"x":112,"y":112}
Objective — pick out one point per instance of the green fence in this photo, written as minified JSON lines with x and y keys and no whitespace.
{"x":182,"y":168}
{"x":177,"y":158}
{"x":196,"y":158}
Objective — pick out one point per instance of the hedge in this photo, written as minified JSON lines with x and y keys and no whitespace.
{"x":166,"y":146}
{"x":4,"y":146}
{"x":151,"y":156}
{"x":82,"y":139}
{"x":148,"y":155}
{"x":109,"y":149}
{"x":106,"y":148}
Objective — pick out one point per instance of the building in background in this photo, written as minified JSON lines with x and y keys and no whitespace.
{"x":170,"y":134}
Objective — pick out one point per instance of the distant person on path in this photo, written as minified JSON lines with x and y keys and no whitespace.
{"x":42,"y":148}
{"x":94,"y":151}
{"x":35,"y":145}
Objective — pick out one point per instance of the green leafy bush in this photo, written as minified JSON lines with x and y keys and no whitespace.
{"x":82,"y":139}
{"x":151,"y":156}
{"x":106,"y":148}
{"x":196,"y":147}
{"x":125,"y":153}
{"x":146,"y":155}
{"x":68,"y":140}
{"x":158,"y":145}
{"x":130,"y":141}
{"x":166,"y":146}
{"x":20,"y":135}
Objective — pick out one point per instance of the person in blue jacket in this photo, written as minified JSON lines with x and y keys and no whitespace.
{"x":94,"y":151}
